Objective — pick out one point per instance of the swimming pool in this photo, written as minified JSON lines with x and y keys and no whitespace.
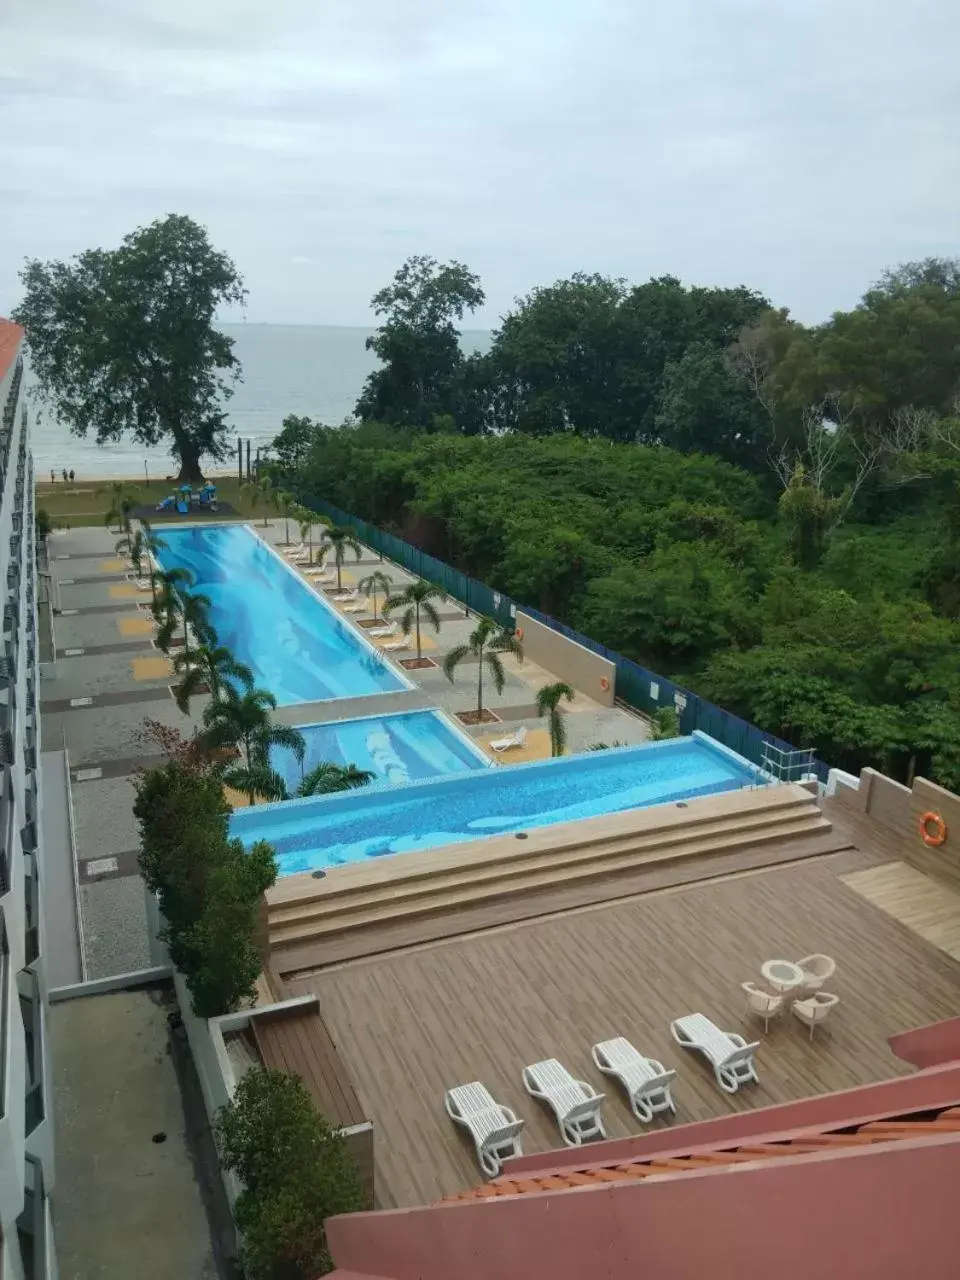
{"x":397,"y":748}
{"x":325,"y":831}
{"x":296,"y":643}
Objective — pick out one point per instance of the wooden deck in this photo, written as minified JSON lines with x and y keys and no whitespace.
{"x":924,"y":905}
{"x":410,"y":1024}
{"x":298,"y":1040}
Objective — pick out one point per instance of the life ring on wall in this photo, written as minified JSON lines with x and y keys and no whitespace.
{"x":519,"y":633}
{"x":937,"y":836}
{"x":604,"y":684}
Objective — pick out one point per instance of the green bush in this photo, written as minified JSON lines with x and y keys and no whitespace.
{"x":296,"y":1172}
{"x":42,"y":523}
{"x":208,"y":886}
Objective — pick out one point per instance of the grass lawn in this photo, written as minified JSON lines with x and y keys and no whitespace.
{"x":86,"y":502}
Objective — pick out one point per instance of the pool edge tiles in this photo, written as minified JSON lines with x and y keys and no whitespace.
{"x":295,"y":641}
{"x":462,"y":808}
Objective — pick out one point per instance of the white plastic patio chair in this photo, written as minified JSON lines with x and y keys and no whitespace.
{"x":388,"y":629}
{"x":816,"y":971}
{"x":814,"y":1009}
{"x":732,"y":1058}
{"x":575,"y":1103}
{"x":647,"y":1082}
{"x":495,"y":1129}
{"x":512,"y":740}
{"x":762,"y":1003}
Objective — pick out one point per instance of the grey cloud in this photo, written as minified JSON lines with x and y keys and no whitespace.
{"x":795,"y":145}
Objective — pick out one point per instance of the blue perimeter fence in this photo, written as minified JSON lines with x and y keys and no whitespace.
{"x":636,"y":686}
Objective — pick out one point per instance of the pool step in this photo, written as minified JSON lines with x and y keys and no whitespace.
{"x":463,"y":884}
{"x":701,"y":815}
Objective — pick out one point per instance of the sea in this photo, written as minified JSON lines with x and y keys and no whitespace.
{"x":316,"y":371}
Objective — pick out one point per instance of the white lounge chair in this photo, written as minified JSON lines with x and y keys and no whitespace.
{"x":394,"y":646}
{"x":345,"y":593}
{"x":646,"y":1081}
{"x":576,"y":1104}
{"x":732,"y":1058}
{"x":762,"y":1003}
{"x":495,"y":1129}
{"x":516,"y":739}
{"x":143,"y":584}
{"x":321,"y":575}
{"x":816,"y":971}
{"x":359,"y":606}
{"x":295,"y":551}
{"x":388,"y":629}
{"x":814,"y":1009}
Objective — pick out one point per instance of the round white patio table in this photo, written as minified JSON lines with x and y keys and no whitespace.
{"x":782,"y":975}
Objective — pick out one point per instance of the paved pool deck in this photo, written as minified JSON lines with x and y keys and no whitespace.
{"x":108,"y":678}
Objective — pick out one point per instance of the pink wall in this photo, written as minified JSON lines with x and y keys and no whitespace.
{"x":938,"y":1087}
{"x":930,"y":1046}
{"x":878,"y":1214}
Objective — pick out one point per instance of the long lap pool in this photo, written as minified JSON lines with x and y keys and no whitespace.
{"x":296,"y":643}
{"x":326,"y":831}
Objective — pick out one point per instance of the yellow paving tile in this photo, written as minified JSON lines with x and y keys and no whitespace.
{"x":124,"y":591}
{"x":138,"y":626}
{"x":111,"y":566}
{"x":537,"y":746}
{"x":152,"y":668}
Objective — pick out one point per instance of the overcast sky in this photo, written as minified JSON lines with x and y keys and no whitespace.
{"x":798,"y":146}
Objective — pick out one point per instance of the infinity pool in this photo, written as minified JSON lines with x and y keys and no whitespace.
{"x":326,"y":831}
{"x":396,"y":749}
{"x":296,"y":643}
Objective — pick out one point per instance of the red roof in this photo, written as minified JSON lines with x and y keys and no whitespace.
{"x":11,"y":336}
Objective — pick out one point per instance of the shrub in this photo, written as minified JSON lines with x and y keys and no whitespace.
{"x":42,"y":523}
{"x":208,"y":886}
{"x":296,"y":1172}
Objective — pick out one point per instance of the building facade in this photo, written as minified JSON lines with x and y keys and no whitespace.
{"x":26,"y":1134}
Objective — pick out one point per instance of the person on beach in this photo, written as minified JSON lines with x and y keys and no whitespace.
{"x":72,"y":474}
{"x":64,"y":473}
{"x":53,"y":476}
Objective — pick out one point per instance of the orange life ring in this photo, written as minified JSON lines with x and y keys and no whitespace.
{"x":937,"y":836}
{"x":604,"y":683}
{"x":519,"y":633}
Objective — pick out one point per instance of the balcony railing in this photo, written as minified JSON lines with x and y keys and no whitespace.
{"x":31,"y":1012}
{"x":32,"y":1223}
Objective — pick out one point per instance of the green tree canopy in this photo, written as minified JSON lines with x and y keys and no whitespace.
{"x":418,"y":343}
{"x":123,"y":341}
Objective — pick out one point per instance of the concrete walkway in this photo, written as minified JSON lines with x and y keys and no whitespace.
{"x":127,"y":1199}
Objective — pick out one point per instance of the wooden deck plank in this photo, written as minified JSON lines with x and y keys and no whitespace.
{"x":298,"y":1041}
{"x":411,"y":1024}
{"x":924,"y":905}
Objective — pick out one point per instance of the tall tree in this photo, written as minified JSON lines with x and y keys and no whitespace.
{"x":241,"y":719}
{"x":706,"y":408}
{"x":124,"y":340}
{"x":417,"y":602}
{"x":487,"y":644}
{"x":212,"y":665}
{"x":326,"y":778}
{"x":292,"y":443}
{"x":549,"y":698}
{"x":340,"y":541}
{"x":418,"y":343}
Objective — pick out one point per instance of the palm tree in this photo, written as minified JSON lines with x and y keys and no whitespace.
{"x":257,"y":493}
{"x":242,"y":721}
{"x":665,"y":723}
{"x":548,"y":704}
{"x":123,"y":498}
{"x":284,"y":504}
{"x":327,"y":778}
{"x":140,"y":546}
{"x":212,"y":665}
{"x":414,"y":600}
{"x":309,"y":520}
{"x":374,"y":585}
{"x":167,"y":603}
{"x":486,"y":644}
{"x":341,"y":541}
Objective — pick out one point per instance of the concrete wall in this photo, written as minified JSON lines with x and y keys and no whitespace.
{"x":886,"y":801}
{"x":943,"y":862}
{"x":580,"y":667}
{"x":883,"y":1214}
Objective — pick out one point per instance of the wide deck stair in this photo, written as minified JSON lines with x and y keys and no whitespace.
{"x":368,"y":908}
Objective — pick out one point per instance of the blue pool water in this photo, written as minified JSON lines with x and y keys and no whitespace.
{"x":326,"y":831}
{"x":397,"y":748}
{"x":296,"y":643}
